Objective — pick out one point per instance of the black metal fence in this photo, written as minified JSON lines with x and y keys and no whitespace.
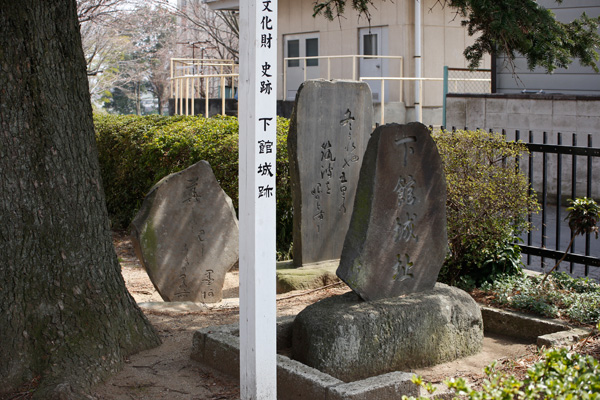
{"x":553,"y":233}
{"x":558,"y":172}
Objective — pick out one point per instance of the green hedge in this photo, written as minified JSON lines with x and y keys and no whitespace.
{"x":136,"y":152}
{"x":487,"y":198}
{"x":488,"y":201}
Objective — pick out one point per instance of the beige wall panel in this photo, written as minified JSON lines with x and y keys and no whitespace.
{"x":309,"y":23}
{"x":405,"y":12}
{"x":331,"y":43}
{"x":433,"y":62}
{"x":450,"y":17}
{"x":294,"y":23}
{"x":389,"y":9}
{"x":455,"y":38}
{"x":377,"y":16}
{"x":432,"y":13}
{"x":434,"y":47}
{"x":349,"y":46}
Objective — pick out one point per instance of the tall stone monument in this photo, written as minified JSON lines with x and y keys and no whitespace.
{"x":329,"y":131}
{"x":397,"y":240}
{"x":394,"y":249}
{"x":186,"y":235}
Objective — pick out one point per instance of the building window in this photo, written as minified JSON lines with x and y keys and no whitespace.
{"x":370,"y":44}
{"x":312,"y":50}
{"x":293,"y":50}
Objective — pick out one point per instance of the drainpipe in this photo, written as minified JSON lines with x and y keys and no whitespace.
{"x":418,"y":74}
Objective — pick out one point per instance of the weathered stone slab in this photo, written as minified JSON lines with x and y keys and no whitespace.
{"x":397,"y":240}
{"x":329,"y":131}
{"x":351,"y":339}
{"x":519,"y":325}
{"x":186,"y":235}
{"x":564,"y":338}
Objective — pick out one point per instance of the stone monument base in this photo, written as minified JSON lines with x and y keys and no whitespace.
{"x":351,"y":339}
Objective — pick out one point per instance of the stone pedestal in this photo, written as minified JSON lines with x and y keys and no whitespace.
{"x":352,"y":339}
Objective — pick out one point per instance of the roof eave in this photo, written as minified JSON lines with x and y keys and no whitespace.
{"x":222,"y":5}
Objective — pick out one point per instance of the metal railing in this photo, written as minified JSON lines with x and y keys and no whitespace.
{"x":193,"y":79}
{"x":465,"y":80}
{"x":402,"y":79}
{"x":554,"y":230}
{"x":474,"y":81}
{"x":354,"y":58}
{"x":551,"y":234}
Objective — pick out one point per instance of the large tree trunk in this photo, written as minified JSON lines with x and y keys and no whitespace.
{"x":65,"y":314}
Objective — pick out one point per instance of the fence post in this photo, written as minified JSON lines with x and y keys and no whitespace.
{"x":222,"y":95}
{"x":206,"y":98}
{"x":193,"y":95}
{"x":445,"y":93}
{"x":544,"y":196}
{"x":589,"y":195}
{"x":285,"y":62}
{"x":382,"y":102}
{"x":187,"y":96}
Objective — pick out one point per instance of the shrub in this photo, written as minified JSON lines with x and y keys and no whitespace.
{"x":560,"y":375}
{"x":583,"y":217}
{"x":488,"y":201}
{"x":136,"y":152}
{"x":577,"y":299}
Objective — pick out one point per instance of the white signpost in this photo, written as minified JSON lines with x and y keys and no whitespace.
{"x":258,"y":121}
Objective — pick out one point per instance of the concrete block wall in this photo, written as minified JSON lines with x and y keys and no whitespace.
{"x":553,"y":114}
{"x":550,"y":113}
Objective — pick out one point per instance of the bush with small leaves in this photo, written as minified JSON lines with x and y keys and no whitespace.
{"x":577,"y":299}
{"x":488,"y":201}
{"x":560,"y":375}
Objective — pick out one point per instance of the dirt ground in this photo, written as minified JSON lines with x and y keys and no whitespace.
{"x":167,"y":372}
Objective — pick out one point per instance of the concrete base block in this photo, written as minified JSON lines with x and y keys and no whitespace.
{"x":564,"y":338}
{"x":219,"y":348}
{"x":386,"y":386}
{"x":298,"y":381}
{"x":518,"y":325}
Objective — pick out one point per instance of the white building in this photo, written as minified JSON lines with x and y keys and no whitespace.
{"x":438,"y":36}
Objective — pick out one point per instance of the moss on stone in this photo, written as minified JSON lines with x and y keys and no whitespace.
{"x":289,"y":279}
{"x":149,"y":240}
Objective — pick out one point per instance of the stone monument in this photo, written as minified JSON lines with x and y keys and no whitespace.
{"x":394,"y":249}
{"x":186,"y":235}
{"x":397,"y":241}
{"x":329,"y":131}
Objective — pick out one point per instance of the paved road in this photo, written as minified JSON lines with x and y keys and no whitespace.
{"x":565,"y":236}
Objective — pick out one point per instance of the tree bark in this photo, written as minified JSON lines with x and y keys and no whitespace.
{"x":65,"y":314}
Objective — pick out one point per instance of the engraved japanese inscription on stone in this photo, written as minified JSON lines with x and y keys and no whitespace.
{"x":329,"y":131}
{"x":186,"y":235}
{"x":397,"y":239}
